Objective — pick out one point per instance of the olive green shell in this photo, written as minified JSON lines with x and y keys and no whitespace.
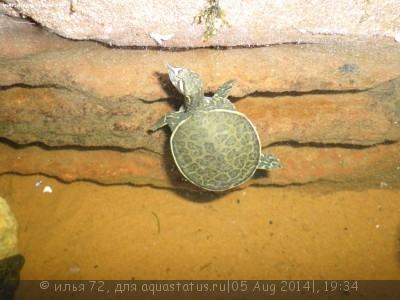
{"x":216,"y":149}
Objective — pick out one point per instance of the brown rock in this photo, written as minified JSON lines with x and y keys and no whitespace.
{"x":103,"y":166}
{"x":57,"y":117}
{"x":103,"y":72}
{"x":364,"y":167}
{"x":8,"y":234}
{"x":363,"y":118}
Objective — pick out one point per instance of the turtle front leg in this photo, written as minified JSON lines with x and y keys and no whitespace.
{"x":220,"y":98}
{"x":171,"y":119}
{"x":160,"y":123}
{"x":268,"y":162}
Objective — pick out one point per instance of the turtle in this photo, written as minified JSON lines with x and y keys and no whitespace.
{"x":213,"y":145}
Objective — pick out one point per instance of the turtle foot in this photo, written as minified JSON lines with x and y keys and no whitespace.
{"x":269,"y":162}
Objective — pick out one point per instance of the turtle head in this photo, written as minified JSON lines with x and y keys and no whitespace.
{"x":188,"y":84}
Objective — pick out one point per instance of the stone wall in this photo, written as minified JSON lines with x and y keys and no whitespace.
{"x":327,"y":105}
{"x":234,"y":23}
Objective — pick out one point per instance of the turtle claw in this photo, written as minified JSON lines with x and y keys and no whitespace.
{"x":268,"y":162}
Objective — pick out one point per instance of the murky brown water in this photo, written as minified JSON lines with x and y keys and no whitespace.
{"x":87,"y":231}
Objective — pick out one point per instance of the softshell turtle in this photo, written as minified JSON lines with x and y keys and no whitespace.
{"x":214,"y":146}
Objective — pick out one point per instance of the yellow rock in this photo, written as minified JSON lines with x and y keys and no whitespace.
{"x":8,"y":231}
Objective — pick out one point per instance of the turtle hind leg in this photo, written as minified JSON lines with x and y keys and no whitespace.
{"x":268,"y":162}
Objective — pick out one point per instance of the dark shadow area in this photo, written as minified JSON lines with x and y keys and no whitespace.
{"x":199,"y":196}
{"x":260,"y":174}
{"x":170,"y":90}
{"x":295,"y":144}
{"x":43,"y":146}
{"x":27,"y":86}
{"x":294,"y":94}
{"x":397,"y":245}
{"x":184,"y":49}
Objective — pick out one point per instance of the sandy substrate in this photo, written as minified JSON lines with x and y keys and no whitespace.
{"x":87,"y":231}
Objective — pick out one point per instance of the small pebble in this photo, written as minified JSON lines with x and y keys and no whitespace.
{"x":384,"y":184}
{"x":38,"y":183}
{"x":397,"y":37}
{"x":75,"y":269}
{"x":47,"y":189}
{"x":160,"y":38}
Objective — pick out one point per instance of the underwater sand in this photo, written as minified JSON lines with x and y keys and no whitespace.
{"x":320,"y":231}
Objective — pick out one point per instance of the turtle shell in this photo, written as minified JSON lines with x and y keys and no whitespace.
{"x":217,"y":149}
